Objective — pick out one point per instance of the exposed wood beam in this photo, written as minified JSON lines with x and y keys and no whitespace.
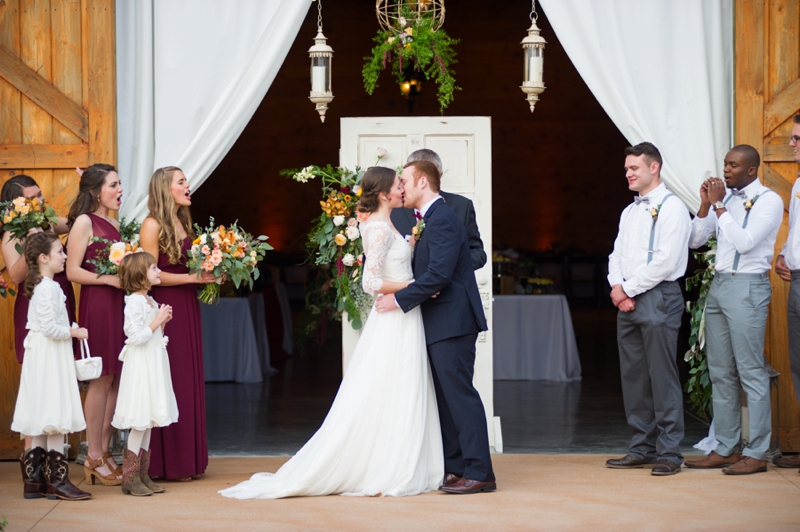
{"x":43,"y":156}
{"x":44,"y":94}
{"x":782,"y":107}
{"x":777,"y":150}
{"x":776,"y":182}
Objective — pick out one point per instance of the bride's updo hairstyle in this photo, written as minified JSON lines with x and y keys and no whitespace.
{"x":376,"y":181}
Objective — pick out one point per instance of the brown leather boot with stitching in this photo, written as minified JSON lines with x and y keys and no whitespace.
{"x":131,"y":483}
{"x":144,"y":473}
{"x":33,"y":465}
{"x":58,"y":483}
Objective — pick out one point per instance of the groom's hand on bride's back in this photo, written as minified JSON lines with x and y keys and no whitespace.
{"x":385,"y":303}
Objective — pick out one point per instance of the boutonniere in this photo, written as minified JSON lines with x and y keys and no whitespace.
{"x":654,"y":212}
{"x":418,"y":229}
{"x":748,"y":204}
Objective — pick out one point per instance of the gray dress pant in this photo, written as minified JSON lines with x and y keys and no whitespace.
{"x":736,"y":320}
{"x":651,"y":388}
{"x":794,"y":331}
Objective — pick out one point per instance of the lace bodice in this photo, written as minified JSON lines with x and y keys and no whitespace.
{"x":140,"y":311}
{"x":388,"y":256}
{"x":47,"y":312}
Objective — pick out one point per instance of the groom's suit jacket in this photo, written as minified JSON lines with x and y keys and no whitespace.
{"x":403,"y":220}
{"x":442,"y":264}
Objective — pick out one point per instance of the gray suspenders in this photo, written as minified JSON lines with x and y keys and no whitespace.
{"x":653,"y":228}
{"x":738,"y":255}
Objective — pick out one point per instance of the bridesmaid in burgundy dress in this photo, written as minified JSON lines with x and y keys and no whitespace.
{"x":25,"y":186}
{"x":179,"y":451}
{"x":101,"y":310}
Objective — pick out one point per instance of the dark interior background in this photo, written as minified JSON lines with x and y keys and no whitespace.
{"x":558,"y":182}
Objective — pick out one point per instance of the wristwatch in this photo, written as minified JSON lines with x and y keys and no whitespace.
{"x":719,"y":205}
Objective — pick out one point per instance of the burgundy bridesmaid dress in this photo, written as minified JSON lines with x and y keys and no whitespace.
{"x":21,"y":312}
{"x":102,"y":307}
{"x":181,"y":450}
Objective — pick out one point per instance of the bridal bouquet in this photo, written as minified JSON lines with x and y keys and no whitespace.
{"x":23,"y":214}
{"x":227,"y":252}
{"x":107,"y":260}
{"x":334,"y":240}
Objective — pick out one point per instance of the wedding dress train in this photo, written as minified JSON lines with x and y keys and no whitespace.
{"x":381,"y":435}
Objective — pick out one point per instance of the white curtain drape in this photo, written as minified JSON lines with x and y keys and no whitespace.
{"x":190,"y":75}
{"x":662,"y":70}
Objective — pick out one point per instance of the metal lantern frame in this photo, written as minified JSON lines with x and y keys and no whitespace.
{"x":533,"y":57}
{"x":389,"y":13}
{"x":321,"y":56}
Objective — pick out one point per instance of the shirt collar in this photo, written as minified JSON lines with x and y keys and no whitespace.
{"x":655,"y":194}
{"x":424,"y":210}
{"x":753,"y":188}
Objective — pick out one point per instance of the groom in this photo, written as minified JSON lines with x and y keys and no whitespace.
{"x":452,"y":313}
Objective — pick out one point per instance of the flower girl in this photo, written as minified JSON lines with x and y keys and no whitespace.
{"x":145,"y":399}
{"x":49,"y":403}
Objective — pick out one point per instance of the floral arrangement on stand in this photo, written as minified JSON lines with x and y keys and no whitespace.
{"x":107,"y":260}
{"x":228,"y":253}
{"x":23,"y":214}
{"x":334,"y":241}
{"x":414,"y":42}
{"x":699,"y":385}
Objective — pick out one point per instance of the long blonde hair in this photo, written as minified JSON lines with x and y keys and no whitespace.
{"x":162,"y":206}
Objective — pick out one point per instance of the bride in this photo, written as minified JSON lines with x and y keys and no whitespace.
{"x":381,"y":435}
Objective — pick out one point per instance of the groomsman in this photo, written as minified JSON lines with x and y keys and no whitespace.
{"x":788,"y":267}
{"x":746,"y":219}
{"x":404,"y":219}
{"x":650,"y":255}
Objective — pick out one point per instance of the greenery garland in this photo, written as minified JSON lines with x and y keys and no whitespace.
{"x":414,"y":44}
{"x":699,"y":385}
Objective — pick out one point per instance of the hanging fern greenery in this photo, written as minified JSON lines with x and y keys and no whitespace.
{"x":414,"y":44}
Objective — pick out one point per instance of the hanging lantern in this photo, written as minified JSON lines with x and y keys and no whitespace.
{"x":321,"y":58}
{"x":533,"y":55}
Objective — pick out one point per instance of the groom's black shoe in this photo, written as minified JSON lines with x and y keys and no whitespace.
{"x":450,"y":478}
{"x":465,"y":486}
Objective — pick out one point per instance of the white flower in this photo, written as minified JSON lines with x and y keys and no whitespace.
{"x":203,"y":239}
{"x":117,"y":252}
{"x":352,"y":233}
{"x":338,"y":220}
{"x":382,"y":153}
{"x":304,"y":175}
{"x":402,"y":21}
{"x":348,"y":260}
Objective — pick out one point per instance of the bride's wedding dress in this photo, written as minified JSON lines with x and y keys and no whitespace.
{"x":381,"y":435}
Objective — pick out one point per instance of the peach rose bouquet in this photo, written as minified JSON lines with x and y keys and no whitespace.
{"x":228,"y":253}
{"x":23,"y":214}
{"x":106,"y":261}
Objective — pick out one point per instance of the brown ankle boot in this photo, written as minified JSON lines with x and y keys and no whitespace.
{"x":144,"y":456}
{"x":33,"y":465}
{"x":58,"y":484}
{"x":131,"y":483}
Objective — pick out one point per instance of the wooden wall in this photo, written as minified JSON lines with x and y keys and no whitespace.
{"x":57,"y":111}
{"x":549,"y":168}
{"x":767,"y":85}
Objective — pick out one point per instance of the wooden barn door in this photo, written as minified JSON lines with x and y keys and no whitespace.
{"x":767,"y":93}
{"x":57,"y":111}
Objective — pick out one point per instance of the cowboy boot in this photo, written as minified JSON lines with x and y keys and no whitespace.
{"x":131,"y":483}
{"x":144,"y":473}
{"x":58,"y":484}
{"x":33,"y":465}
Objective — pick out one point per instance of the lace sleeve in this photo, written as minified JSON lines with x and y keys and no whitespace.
{"x":50,"y":298}
{"x":136,"y":327}
{"x":377,"y":239}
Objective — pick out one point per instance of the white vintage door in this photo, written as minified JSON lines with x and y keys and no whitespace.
{"x":465,"y":146}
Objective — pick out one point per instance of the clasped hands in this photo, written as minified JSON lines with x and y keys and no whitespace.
{"x":621,"y":299}
{"x":712,"y":190}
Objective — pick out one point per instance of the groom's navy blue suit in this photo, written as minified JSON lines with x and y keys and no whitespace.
{"x":452,"y":322}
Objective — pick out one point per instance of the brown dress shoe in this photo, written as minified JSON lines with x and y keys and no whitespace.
{"x":665,"y":467}
{"x":629,"y":462}
{"x":466,"y":486}
{"x":746,"y":466}
{"x":713,"y":461}
{"x":450,"y":478}
{"x":787,"y":461}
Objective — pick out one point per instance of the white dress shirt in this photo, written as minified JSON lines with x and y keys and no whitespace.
{"x":755,"y":243}
{"x":791,"y":249}
{"x":628,"y":263}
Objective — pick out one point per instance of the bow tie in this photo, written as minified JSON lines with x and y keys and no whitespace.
{"x":640,"y":199}
{"x":417,"y":214}
{"x":739,"y":193}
